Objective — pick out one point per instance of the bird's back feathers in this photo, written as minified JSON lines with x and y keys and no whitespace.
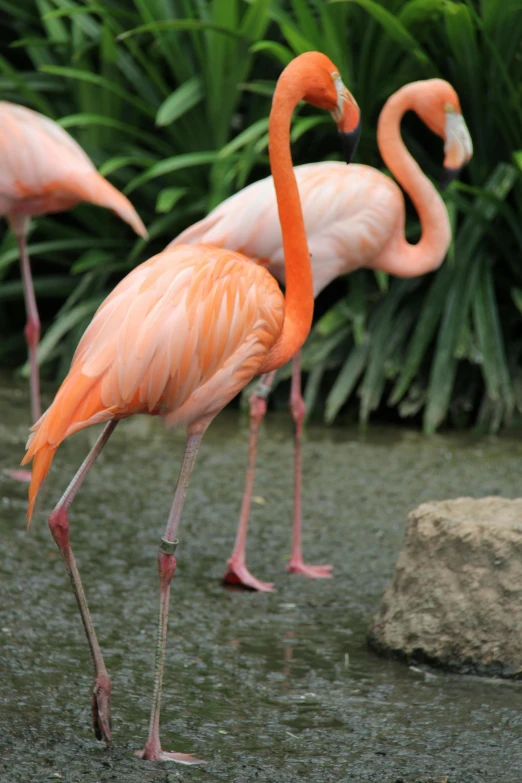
{"x":350,"y":213}
{"x":42,"y":169}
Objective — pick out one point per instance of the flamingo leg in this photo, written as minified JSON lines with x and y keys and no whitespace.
{"x":237,"y":573}
{"x":59,"y":526}
{"x":32,"y":326}
{"x":296,"y":564}
{"x":32,"y":336}
{"x":167,"y":567}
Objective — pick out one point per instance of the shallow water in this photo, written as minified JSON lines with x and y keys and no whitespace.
{"x":269,"y":688}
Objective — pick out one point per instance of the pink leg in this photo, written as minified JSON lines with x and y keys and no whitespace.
{"x":59,"y":525}
{"x":296,"y":564}
{"x":32,"y":336}
{"x":167,"y":567}
{"x":237,"y":573}
{"x":32,"y":327}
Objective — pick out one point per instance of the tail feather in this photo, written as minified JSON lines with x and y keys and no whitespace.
{"x":99,"y":191}
{"x":77,"y":405}
{"x":39,"y":470}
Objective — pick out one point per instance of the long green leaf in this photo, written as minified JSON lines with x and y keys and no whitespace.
{"x":43,"y":286}
{"x":346,"y":380}
{"x":55,"y":247}
{"x":168,"y":198}
{"x":179,"y":24}
{"x":59,"y":329}
{"x":170,"y":165}
{"x":180,"y":101}
{"x":279,"y":52}
{"x":85,"y":120}
{"x":395,"y":29}
{"x":250,"y":134}
{"x":99,"y":81}
{"x":443,"y":370}
{"x":491,"y":342}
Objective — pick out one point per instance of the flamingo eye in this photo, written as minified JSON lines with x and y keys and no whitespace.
{"x":449,"y":108}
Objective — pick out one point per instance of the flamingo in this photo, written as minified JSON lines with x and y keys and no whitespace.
{"x":354,"y":217}
{"x":42,"y":169}
{"x":179,"y":337}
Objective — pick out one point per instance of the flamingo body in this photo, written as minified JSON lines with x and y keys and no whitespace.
{"x":354,"y":217}
{"x":44,"y":170}
{"x":178,"y":337}
{"x":351,"y":214}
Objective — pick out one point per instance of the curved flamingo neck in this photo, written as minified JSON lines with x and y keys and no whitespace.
{"x":299,"y":296}
{"x":402,"y":258}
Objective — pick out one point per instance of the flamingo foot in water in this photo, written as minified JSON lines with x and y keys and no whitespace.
{"x":19,"y":475}
{"x":151,"y":752}
{"x":297,"y":566}
{"x":101,"y":708}
{"x":238,"y":574}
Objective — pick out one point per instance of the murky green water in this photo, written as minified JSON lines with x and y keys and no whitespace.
{"x":269,"y":688}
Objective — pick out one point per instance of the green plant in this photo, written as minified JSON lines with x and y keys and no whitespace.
{"x":170,"y":98}
{"x":455,"y":342}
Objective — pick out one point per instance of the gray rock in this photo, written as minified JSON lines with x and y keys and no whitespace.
{"x":456,"y":597}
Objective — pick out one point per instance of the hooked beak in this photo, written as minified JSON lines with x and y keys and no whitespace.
{"x":349,"y":142}
{"x":458,"y":147}
{"x":347,"y":117}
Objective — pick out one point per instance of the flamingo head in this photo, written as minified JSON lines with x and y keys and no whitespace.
{"x":323,"y":87}
{"x":438,"y":105}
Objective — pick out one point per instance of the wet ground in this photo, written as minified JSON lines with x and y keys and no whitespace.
{"x":269,"y":688}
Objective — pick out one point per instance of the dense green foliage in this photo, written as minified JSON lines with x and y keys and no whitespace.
{"x":170,"y":99}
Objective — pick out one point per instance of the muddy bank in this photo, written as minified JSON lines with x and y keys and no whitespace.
{"x":270,"y":688}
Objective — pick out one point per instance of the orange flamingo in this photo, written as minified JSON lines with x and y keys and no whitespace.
{"x":178,"y":338}
{"x":42,"y":169}
{"x":354,"y":217}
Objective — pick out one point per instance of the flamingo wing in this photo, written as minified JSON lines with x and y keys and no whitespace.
{"x":246,"y":222}
{"x":42,"y":169}
{"x":178,"y":337}
{"x":350,"y":213}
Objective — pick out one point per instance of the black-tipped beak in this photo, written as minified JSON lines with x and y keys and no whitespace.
{"x":447,"y":176}
{"x":349,"y":142}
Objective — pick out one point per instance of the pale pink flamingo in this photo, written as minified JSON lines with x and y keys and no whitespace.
{"x":42,"y":170}
{"x":354,"y":217}
{"x":178,"y":338}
